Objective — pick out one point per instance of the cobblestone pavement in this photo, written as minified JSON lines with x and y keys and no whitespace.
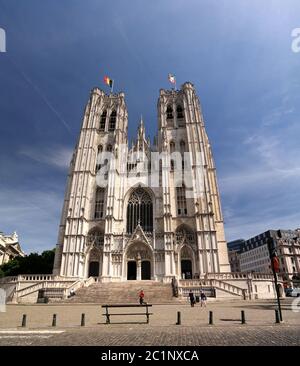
{"x":163,"y":336}
{"x":194,"y":331}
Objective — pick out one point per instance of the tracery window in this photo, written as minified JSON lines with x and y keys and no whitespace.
{"x":103,"y":120}
{"x":98,"y":165}
{"x":181,"y":201}
{"x":112,"y":121}
{"x":139,"y":211}
{"x":179,"y":111}
{"x":95,"y":237}
{"x":183,"y":234}
{"x":99,"y":203}
{"x":169,"y":112}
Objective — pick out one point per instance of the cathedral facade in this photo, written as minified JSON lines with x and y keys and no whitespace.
{"x":144,"y":211}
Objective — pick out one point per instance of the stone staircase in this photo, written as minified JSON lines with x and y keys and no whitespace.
{"x":124,"y":293}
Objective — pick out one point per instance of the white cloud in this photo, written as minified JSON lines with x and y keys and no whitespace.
{"x":262,"y":192}
{"x":57,"y":156}
{"x":249,"y":226}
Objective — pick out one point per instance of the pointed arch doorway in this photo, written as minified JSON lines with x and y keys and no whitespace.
{"x":139,"y":262}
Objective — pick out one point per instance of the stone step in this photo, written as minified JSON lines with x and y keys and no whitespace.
{"x":124,"y":292}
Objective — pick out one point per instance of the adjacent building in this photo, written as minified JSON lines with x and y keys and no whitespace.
{"x":9,"y":247}
{"x":234,"y":249}
{"x":254,"y":254}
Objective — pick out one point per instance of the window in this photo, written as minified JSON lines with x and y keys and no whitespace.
{"x":139,"y":211}
{"x":179,"y":111}
{"x":103,"y":120}
{"x":109,"y":148}
{"x":169,"y":112}
{"x":172,"y":165}
{"x":160,"y":172}
{"x":112,"y":121}
{"x":98,"y":165}
{"x":172,"y":147}
{"x":95,"y":237}
{"x":181,"y":201}
{"x":99,"y":203}
{"x":182,"y":147}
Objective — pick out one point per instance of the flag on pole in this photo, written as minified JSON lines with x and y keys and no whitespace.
{"x":108,"y":81}
{"x":172,"y":79}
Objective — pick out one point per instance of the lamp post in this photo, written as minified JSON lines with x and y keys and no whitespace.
{"x":275,"y":268}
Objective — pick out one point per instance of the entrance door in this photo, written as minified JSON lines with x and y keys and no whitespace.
{"x":146,"y":270}
{"x":186,"y":269}
{"x":94,"y":269}
{"x":131,"y":270}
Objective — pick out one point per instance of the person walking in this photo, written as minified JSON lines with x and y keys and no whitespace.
{"x":192,"y":299}
{"x":202,"y":299}
{"x":141,"y":297}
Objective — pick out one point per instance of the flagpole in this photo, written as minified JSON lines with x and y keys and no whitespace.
{"x":112,"y":87}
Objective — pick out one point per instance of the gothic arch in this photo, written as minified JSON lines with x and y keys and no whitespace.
{"x":184,"y":235}
{"x":186,"y":262}
{"x":94,"y":252}
{"x":140,"y":255}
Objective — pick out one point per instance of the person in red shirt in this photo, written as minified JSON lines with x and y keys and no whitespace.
{"x":141,"y":297}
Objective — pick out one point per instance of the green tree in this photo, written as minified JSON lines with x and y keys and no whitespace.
{"x":33,"y":263}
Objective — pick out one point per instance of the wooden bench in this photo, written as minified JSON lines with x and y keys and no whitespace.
{"x":144,"y":307}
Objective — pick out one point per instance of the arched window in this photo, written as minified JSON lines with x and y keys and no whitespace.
{"x":172,"y":165}
{"x":98,"y":165}
{"x":139,"y":211}
{"x":181,"y":201}
{"x":179,"y":111}
{"x":99,"y":203}
{"x":109,"y":148}
{"x":112,"y":121}
{"x":169,"y":112}
{"x":184,"y":234}
{"x":182,"y":146}
{"x":172,"y":147}
{"x":103,"y":120}
{"x":160,"y":172}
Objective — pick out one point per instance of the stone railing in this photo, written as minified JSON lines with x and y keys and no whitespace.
{"x":9,"y":279}
{"x":43,"y":277}
{"x":42,"y":285}
{"x":213,"y":283}
{"x":239,"y":276}
{"x":229,"y":288}
{"x":34,"y":278}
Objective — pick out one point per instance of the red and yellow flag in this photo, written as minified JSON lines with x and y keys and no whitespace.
{"x":108,"y":81}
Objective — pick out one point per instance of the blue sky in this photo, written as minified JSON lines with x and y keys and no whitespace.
{"x":238,"y":55}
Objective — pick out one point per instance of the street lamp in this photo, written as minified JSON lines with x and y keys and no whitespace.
{"x":275,"y":269}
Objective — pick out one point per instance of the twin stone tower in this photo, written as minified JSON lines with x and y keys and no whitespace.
{"x":143,"y":211}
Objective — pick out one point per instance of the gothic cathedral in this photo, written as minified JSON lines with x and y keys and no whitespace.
{"x":144,"y":211}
